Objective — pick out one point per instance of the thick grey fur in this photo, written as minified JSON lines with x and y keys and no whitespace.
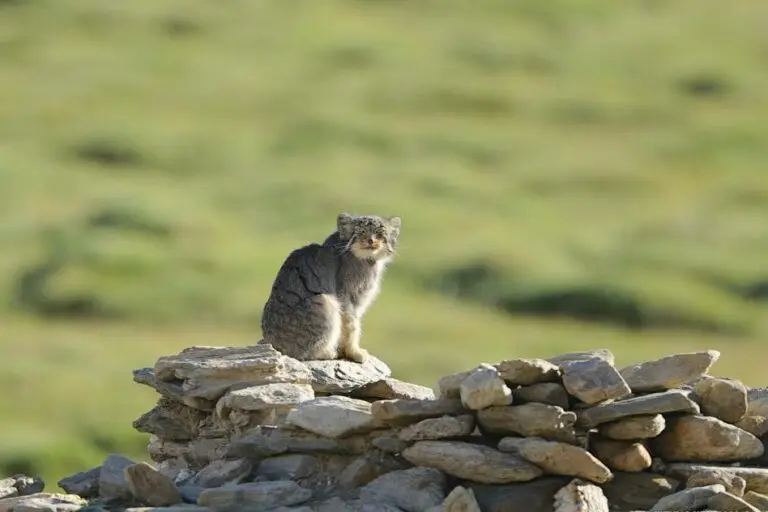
{"x":322,"y":291}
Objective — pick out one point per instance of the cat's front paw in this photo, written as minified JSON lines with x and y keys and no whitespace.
{"x":358,"y":355}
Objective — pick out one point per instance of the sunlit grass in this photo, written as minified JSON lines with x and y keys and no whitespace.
{"x":169,"y":155}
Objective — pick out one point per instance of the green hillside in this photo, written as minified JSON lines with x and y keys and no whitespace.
{"x":570,"y":175}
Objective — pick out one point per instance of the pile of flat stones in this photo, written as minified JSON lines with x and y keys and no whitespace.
{"x":247,"y":428}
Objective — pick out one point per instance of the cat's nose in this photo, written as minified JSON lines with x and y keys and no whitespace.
{"x":371,"y":241}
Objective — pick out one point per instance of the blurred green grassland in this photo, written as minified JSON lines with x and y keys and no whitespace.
{"x":570,"y":175}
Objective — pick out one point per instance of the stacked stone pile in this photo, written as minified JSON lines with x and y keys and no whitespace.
{"x":249,"y":429}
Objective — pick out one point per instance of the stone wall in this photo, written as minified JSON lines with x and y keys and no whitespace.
{"x":246,"y":428}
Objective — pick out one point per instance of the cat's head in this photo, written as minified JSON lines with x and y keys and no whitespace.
{"x":369,"y":237}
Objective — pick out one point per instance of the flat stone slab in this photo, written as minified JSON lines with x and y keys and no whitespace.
{"x":688,"y":499}
{"x":550,"y":393}
{"x":471,"y":462}
{"x":43,"y":502}
{"x":705,"y":439}
{"x":656,"y":403}
{"x":532,"y":420}
{"x":343,"y":376}
{"x":221,"y":472}
{"x":408,"y":489}
{"x":266,"y":441}
{"x":255,"y":496}
{"x":731,"y":503}
{"x":389,"y":388}
{"x":602,"y":353}
{"x":85,"y":483}
{"x":668,"y":372}
{"x":638,"y":491}
{"x":334,"y":416}
{"x":634,"y":427}
{"x":756,"y":478}
{"x":208,"y":372}
{"x":399,"y":412}
{"x":523,"y":372}
{"x":279,"y":396}
{"x":732,"y":482}
{"x":446,"y":427}
{"x":593,"y":380}
{"x":558,"y":458}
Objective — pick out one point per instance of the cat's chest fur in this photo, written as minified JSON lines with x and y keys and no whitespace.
{"x":358,"y":284}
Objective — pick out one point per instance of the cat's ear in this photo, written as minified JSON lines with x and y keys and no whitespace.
{"x":344,"y":225}
{"x":394,"y":222}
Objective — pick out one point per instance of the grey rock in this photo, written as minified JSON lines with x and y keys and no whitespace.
{"x":176,"y":508}
{"x":389,"y":388}
{"x":390,"y":443}
{"x":483,"y":388}
{"x":20,"y":485}
{"x":688,"y":499}
{"x":634,"y":427}
{"x":602,"y":353}
{"x":551,"y":393}
{"x":171,"y":420}
{"x":537,"y":495}
{"x":412,"y":490}
{"x":524,"y":372}
{"x":580,"y":496}
{"x":368,"y":467}
{"x":112,"y":482}
{"x":196,"y":453}
{"x":343,"y":376}
{"x":294,"y":466}
{"x":698,"y":438}
{"x":460,"y":499}
{"x":755,"y":425}
{"x":655,"y":403}
{"x":266,"y":441}
{"x":638,"y":491}
{"x":733,"y":483}
{"x":533,"y":419}
{"x":85,"y":483}
{"x":757,"y":405}
{"x":190,"y":493}
{"x":731,"y":503}
{"x":725,"y":399}
{"x":472,"y":462}
{"x":151,"y":487}
{"x":668,"y":372}
{"x":446,"y":427}
{"x":171,"y":389}
{"x":42,"y":502}
{"x":222,"y":472}
{"x":209,"y":372}
{"x":594,"y":380}
{"x":334,"y":416}
{"x":255,"y":496}
{"x":450,"y":385}
{"x":400,"y":412}
{"x":756,"y":478}
{"x":628,"y":456}
{"x":281,"y":396}
{"x":334,"y":504}
{"x":756,"y":499}
{"x":557,"y":458}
